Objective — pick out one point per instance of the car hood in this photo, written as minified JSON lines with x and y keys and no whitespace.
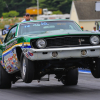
{"x":59,"y":33}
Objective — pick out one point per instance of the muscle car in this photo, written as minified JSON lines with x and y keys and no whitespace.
{"x":37,"y":48}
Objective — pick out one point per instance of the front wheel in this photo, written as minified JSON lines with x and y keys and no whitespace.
{"x":5,"y":79}
{"x":95,"y":67}
{"x":27,"y":69}
{"x":71,"y":77}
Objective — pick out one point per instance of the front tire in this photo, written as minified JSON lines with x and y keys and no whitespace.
{"x":71,"y":77}
{"x":27,"y":69}
{"x":95,"y":67}
{"x":5,"y":79}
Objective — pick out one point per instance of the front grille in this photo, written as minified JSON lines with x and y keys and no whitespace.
{"x":65,"y":41}
{"x":68,"y":41}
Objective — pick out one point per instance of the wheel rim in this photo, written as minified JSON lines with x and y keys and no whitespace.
{"x":24,"y":67}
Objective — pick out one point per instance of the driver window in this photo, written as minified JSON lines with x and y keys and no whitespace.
{"x":11,"y":34}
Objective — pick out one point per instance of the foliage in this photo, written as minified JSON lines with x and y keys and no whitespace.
{"x":5,"y":15}
{"x":13,"y":13}
{"x":21,"y":5}
{"x":10,"y":14}
{"x":62,"y":5}
{"x":57,"y":12}
{"x":1,"y":7}
{"x":18,"y":5}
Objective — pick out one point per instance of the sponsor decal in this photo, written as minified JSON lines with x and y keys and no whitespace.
{"x":27,"y":55}
{"x":36,"y":24}
{"x":31,"y":54}
{"x":44,"y":23}
{"x":10,"y":45}
{"x":2,"y":63}
{"x":9,"y":69}
{"x":27,"y":26}
{"x":11,"y":63}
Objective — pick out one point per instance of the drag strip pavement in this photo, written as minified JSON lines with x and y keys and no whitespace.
{"x":88,"y":88}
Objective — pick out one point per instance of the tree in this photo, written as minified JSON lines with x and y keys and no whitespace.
{"x":18,"y":5}
{"x":5,"y":15}
{"x":21,"y":5}
{"x":10,"y":14}
{"x":57,"y":12}
{"x":1,"y":7}
{"x":62,"y":5}
{"x":13,"y":13}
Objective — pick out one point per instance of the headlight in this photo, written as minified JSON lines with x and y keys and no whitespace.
{"x":41,"y":43}
{"x":94,"y":40}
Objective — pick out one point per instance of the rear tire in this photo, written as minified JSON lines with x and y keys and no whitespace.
{"x":5,"y":79}
{"x":27,"y":69}
{"x":71,"y":77}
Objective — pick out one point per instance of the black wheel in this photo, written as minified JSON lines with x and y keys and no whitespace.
{"x":27,"y":69}
{"x":95,"y":67}
{"x":5,"y":79}
{"x":71,"y":77}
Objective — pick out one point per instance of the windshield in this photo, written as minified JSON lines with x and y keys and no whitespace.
{"x":43,"y":27}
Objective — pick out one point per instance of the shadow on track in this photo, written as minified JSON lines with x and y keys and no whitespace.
{"x":60,"y":89}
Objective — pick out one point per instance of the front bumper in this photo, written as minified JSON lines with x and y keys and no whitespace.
{"x":63,"y":53}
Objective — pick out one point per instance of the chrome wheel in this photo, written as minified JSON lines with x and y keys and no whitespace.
{"x":24,"y":67}
{"x":27,"y":69}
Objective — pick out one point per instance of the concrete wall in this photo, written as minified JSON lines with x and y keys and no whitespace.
{"x":73,"y":13}
{"x":88,"y":25}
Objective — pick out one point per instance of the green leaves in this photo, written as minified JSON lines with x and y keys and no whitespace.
{"x":57,"y":12}
{"x":21,"y":5}
{"x":5,"y":15}
{"x":18,"y":5}
{"x":1,"y":7}
{"x":10,"y":14}
{"x":13,"y":13}
{"x":56,"y":5}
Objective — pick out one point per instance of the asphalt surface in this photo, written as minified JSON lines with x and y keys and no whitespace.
{"x":88,"y":88}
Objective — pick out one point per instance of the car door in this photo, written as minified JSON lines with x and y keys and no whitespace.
{"x":9,"y":54}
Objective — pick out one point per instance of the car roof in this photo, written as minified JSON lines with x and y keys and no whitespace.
{"x":46,"y":20}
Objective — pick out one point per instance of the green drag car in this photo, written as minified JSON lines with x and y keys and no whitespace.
{"x":43,"y":47}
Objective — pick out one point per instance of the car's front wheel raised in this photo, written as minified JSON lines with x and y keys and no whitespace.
{"x":27,"y":69}
{"x":71,"y":77}
{"x":5,"y":79}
